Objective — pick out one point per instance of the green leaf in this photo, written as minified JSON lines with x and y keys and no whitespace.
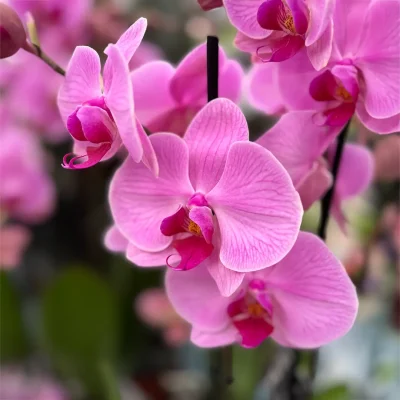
{"x":339,"y":392}
{"x":81,"y":323}
{"x":13,"y":344}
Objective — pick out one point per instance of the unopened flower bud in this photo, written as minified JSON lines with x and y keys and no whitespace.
{"x":207,"y":5}
{"x":12,"y":32}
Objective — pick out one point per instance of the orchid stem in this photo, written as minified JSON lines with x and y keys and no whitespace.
{"x":327,"y":200}
{"x":326,"y":204}
{"x":212,"y":67}
{"x":37,"y":50}
{"x":33,"y":45}
{"x":221,"y":366}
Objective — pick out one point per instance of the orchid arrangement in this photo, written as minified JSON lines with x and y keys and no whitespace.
{"x":194,"y":195}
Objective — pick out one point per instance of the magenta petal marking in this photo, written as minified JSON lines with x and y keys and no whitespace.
{"x":193,"y":251}
{"x":253,"y":331}
{"x":298,"y":11}
{"x":94,"y":155}
{"x":267,"y":15}
{"x":280,"y":48}
{"x":74,"y":127}
{"x":175,"y":223}
{"x":334,"y":117}
{"x":203,"y":217}
{"x":198,"y":199}
{"x":322,"y":88}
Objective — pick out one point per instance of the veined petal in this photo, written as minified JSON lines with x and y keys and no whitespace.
{"x":320,"y":51}
{"x":297,"y":142}
{"x":378,"y":59}
{"x":196,"y":298}
{"x":314,"y":300}
{"x":140,"y":201}
{"x":243,"y":16}
{"x":257,"y":208}
{"x":119,"y":99}
{"x":131,"y":39}
{"x":82,"y":81}
{"x":382,"y":126}
{"x":219,"y":124}
{"x":321,"y":15}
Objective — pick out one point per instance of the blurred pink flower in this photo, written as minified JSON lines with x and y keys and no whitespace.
{"x":387,"y":158}
{"x":299,"y":145}
{"x":305,"y":301}
{"x":65,"y":21}
{"x":276,"y":30}
{"x":99,"y":112}
{"x":14,"y":239}
{"x":15,"y":385}
{"x":154,"y":308}
{"x":30,"y":95}
{"x":26,"y":190}
{"x":362,"y":76}
{"x":219,"y":200}
{"x":181,"y":91}
{"x":207,"y":5}
{"x":146,"y":53}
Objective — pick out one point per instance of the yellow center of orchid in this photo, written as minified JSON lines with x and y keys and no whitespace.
{"x":342,"y":92}
{"x":194,"y":228}
{"x":285,"y":19}
{"x":256,"y":310}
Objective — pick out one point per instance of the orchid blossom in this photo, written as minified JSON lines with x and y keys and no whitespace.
{"x":275,"y":30}
{"x":304,"y":301}
{"x":219,"y":199}
{"x":363,"y":75}
{"x":99,"y":110}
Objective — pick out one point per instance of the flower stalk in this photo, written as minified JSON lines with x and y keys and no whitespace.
{"x":221,"y":365}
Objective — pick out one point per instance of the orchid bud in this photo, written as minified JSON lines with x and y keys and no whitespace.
{"x":207,"y":5}
{"x":12,"y":32}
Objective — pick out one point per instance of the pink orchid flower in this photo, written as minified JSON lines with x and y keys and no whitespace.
{"x":362,"y":76}
{"x":218,"y":197}
{"x":99,"y":112}
{"x":155,"y":309}
{"x":304,"y":301}
{"x":276,"y":30}
{"x":182,"y":91}
{"x":14,"y":239}
{"x":308,"y":169}
{"x":26,"y":191}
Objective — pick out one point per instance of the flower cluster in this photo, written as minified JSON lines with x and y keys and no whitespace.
{"x":223,"y":213}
